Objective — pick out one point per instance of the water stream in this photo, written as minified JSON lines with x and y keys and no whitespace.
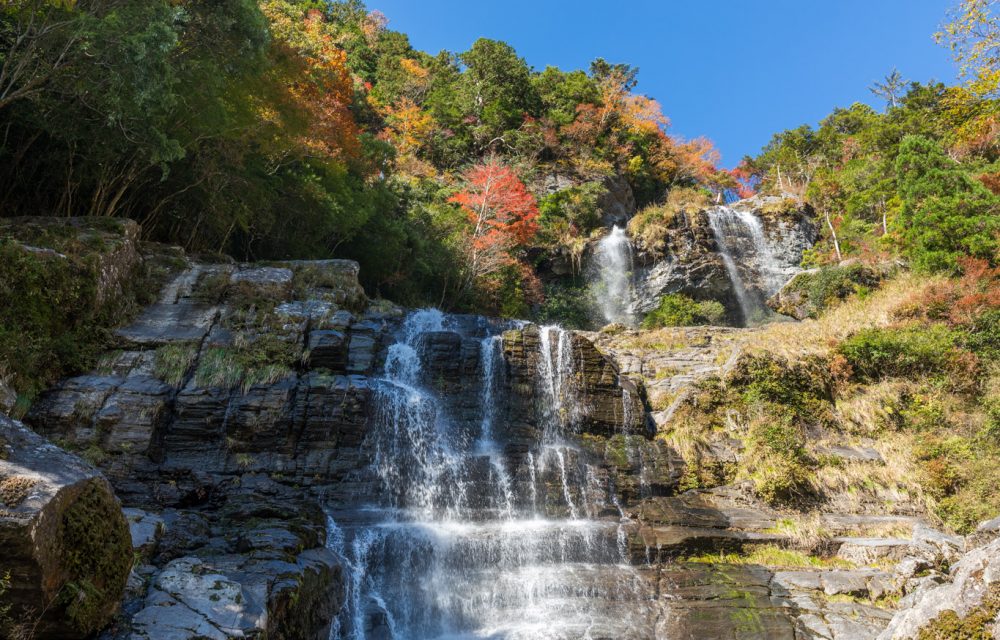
{"x":739,"y":236}
{"x":613,"y":263}
{"x":463,"y":540}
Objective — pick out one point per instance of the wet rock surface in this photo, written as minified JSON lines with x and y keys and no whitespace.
{"x":248,"y":395}
{"x":692,"y":261}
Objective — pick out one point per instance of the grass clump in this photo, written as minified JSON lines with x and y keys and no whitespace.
{"x":173,"y":361}
{"x":678,"y":310}
{"x":770,"y":555}
{"x":264,"y":360}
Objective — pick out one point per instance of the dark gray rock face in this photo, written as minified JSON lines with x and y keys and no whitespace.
{"x":65,"y":541}
{"x":618,"y":204}
{"x":692,"y":262}
{"x":241,"y":388}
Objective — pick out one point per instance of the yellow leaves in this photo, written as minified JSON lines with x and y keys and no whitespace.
{"x":973,"y":36}
{"x":408,"y":126}
{"x":643,"y":115}
{"x":314,"y":83}
{"x":413,"y":68}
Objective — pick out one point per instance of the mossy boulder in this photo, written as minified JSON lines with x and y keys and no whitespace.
{"x":66,"y":544}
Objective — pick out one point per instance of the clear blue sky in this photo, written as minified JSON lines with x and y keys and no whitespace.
{"x":735,"y":71}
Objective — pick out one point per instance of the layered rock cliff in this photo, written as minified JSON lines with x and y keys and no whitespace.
{"x":250,"y":397}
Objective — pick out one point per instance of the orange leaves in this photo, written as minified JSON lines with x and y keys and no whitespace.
{"x":696,"y":159}
{"x":408,"y":126}
{"x":959,"y":301}
{"x":991,"y":181}
{"x":643,"y":115}
{"x":502,"y":215}
{"x":497,"y":203}
{"x":317,"y":86}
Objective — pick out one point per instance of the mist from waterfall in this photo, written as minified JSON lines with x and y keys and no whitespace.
{"x":463,"y":541}
{"x":748,"y":259}
{"x":613,"y":263}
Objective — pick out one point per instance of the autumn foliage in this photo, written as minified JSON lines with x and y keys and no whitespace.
{"x":502,"y":216}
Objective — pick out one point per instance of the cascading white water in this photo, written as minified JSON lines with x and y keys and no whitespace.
{"x":462,"y":546}
{"x":613,"y":262}
{"x":740,"y":237}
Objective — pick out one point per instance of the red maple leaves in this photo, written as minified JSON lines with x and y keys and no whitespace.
{"x":503,"y":216}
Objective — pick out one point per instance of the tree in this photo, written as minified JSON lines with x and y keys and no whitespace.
{"x":973,"y":35}
{"x":946,"y":213}
{"x":496,"y":88}
{"x":503,"y":216}
{"x":37,"y":38}
{"x":891,"y":88}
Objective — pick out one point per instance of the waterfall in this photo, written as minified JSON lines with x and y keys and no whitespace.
{"x":613,"y":261}
{"x":456,"y":544}
{"x":748,"y":259}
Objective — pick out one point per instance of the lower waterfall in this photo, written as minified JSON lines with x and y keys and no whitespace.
{"x":466,"y":538}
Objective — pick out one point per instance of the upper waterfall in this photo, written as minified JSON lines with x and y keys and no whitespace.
{"x":748,"y":258}
{"x":613,"y":263}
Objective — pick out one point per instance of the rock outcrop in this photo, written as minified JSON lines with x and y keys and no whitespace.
{"x":691,"y":262}
{"x":66,"y":545}
{"x":808,"y":293}
{"x":963,"y":604}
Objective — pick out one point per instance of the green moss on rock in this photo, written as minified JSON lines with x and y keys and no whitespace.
{"x":96,"y":552}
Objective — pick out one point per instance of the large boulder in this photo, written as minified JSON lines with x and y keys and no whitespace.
{"x":968,"y":606}
{"x":66,"y":544}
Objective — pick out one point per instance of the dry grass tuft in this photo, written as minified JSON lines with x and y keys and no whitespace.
{"x":816,"y":337}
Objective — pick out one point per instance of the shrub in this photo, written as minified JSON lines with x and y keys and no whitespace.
{"x":678,"y":310}
{"x":906,"y":351}
{"x":826,"y":286}
{"x":578,"y":205}
{"x":781,"y":400}
{"x":566,"y":305}
{"x":947,"y":214}
{"x":650,"y":227}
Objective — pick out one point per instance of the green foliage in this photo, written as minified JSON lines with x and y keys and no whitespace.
{"x":569,"y":306}
{"x":54,"y":320}
{"x":496,"y":87}
{"x":851,"y":170}
{"x":830,"y":284}
{"x":577,"y":206}
{"x":678,"y":310}
{"x":904,"y":351}
{"x":780,"y":401}
{"x":946,"y":213}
